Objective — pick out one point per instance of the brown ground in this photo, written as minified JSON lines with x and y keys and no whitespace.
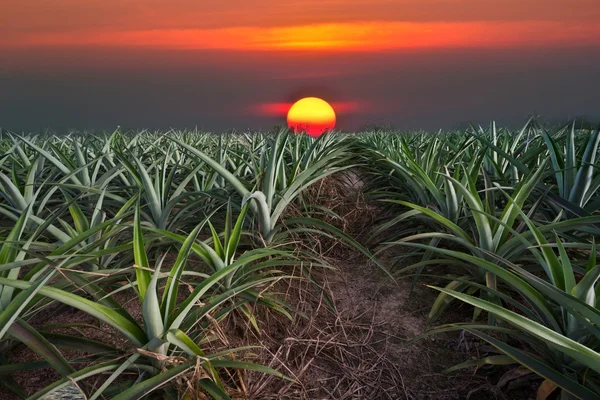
{"x":358,"y":351}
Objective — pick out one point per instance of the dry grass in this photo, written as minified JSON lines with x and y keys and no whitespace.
{"x":338,"y":200}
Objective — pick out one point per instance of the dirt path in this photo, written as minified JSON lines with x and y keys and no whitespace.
{"x":360,"y":352}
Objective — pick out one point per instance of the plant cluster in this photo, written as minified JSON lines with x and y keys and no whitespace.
{"x":187,"y":228}
{"x":512,"y":219}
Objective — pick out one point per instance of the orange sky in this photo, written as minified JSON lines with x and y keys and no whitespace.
{"x":300,"y":24}
{"x":357,"y":35}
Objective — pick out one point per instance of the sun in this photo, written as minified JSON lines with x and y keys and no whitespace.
{"x":311,"y":115}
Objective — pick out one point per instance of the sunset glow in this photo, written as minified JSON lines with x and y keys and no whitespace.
{"x":240,"y":64}
{"x":311,"y":115}
{"x":355,"y":36}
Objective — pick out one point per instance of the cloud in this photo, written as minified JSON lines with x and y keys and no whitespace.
{"x":114,"y":15}
{"x":361,"y":36}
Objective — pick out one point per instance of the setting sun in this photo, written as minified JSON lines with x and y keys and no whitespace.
{"x":311,"y":115}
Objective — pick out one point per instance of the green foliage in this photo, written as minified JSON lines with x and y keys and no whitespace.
{"x":96,"y":218}
{"x":517,"y":212}
{"x":195,"y":228}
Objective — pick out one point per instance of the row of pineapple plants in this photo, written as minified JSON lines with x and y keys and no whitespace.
{"x":509,"y":220}
{"x":190,"y":226}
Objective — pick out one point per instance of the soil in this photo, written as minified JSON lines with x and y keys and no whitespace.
{"x":360,"y":351}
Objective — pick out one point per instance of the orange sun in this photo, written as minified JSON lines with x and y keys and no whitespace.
{"x":311,"y":115}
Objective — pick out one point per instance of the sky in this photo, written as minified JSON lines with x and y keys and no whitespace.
{"x":233,"y":64}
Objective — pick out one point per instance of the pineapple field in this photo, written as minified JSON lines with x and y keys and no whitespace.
{"x":270,"y":265}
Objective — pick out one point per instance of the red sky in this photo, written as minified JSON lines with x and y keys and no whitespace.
{"x":307,"y":24}
{"x":68,"y":15}
{"x":89,"y":39}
